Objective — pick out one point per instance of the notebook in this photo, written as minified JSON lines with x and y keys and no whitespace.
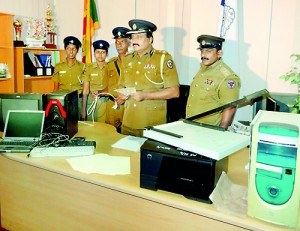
{"x":23,"y":129}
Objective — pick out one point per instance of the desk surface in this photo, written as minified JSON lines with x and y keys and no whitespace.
{"x":22,"y":179}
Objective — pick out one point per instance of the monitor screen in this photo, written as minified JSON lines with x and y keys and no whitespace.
{"x":18,"y":101}
{"x":269,"y":104}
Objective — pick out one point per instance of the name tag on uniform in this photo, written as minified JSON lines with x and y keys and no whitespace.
{"x":62,"y":72}
{"x":94,"y":74}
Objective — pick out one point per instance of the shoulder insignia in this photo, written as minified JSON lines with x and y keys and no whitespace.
{"x":170,"y":63}
{"x":231,"y":84}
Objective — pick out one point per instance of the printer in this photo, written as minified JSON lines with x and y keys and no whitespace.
{"x":175,"y":170}
{"x":187,"y":157}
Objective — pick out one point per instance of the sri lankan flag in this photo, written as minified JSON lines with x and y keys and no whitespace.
{"x":90,"y":24}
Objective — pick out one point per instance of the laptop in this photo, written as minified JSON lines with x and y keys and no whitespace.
{"x":22,"y":131}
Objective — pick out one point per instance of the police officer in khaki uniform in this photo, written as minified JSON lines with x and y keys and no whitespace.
{"x":153,"y":76}
{"x":114,"y":115}
{"x":68,"y":74}
{"x":214,"y":85}
{"x":95,"y":83}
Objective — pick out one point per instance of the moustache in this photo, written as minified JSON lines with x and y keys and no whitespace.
{"x":204,"y":58}
{"x":135,"y":44}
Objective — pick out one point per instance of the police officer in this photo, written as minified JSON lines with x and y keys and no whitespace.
{"x":114,"y":115}
{"x":67,"y":74}
{"x":214,"y":85}
{"x":95,"y":82}
{"x":151,"y":78}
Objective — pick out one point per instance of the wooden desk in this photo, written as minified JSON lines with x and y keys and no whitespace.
{"x":47,"y":194}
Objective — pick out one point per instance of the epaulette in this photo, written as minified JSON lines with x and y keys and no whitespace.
{"x":160,"y":51}
{"x":112,"y":59}
{"x":225,"y":71}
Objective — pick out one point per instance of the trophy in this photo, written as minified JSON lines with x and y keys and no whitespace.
{"x":51,"y":34}
{"x":18,"y":29}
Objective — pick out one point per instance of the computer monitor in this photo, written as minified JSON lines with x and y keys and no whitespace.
{"x":268,"y":103}
{"x":18,"y":101}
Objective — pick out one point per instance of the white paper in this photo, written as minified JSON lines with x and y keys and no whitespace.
{"x":229,"y":197}
{"x":126,"y":91}
{"x":102,"y":164}
{"x":131,"y":143}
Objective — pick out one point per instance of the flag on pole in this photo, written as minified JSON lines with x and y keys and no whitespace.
{"x":90,"y":24}
{"x":228,"y":29}
{"x":228,"y":16}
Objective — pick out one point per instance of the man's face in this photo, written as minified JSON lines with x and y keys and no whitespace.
{"x":210,"y":55}
{"x":122,"y":45}
{"x":71,"y":51}
{"x":100,"y":55}
{"x":140,"y":42}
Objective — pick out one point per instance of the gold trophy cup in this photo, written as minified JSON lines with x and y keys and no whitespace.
{"x":18,"y":29}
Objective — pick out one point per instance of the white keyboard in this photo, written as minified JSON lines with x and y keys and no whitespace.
{"x":62,"y":151}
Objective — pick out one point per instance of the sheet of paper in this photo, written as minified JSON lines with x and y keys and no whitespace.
{"x":131,"y":143}
{"x":102,"y":164}
{"x":229,"y":197}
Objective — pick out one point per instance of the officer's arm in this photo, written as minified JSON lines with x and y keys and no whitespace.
{"x":166,"y":93}
{"x":227,"y":116}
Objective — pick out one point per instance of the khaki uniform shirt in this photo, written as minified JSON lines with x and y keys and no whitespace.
{"x":212,"y":87}
{"x":113,"y":67}
{"x":97,"y":77}
{"x":69,"y":78}
{"x":144,"y":74}
{"x":114,"y":116}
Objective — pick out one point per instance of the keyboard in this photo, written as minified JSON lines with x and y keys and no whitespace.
{"x":20,"y":143}
{"x":62,"y":151}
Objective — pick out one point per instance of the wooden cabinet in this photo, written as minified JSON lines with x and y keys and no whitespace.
{"x":36,"y":83}
{"x":7,"y":51}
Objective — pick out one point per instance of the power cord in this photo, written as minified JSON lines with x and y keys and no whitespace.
{"x":52,"y":139}
{"x":92,"y":107}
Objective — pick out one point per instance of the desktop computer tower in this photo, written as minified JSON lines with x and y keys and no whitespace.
{"x":61,"y":112}
{"x":274,"y":175}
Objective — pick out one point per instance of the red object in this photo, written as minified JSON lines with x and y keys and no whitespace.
{"x":58,"y":104}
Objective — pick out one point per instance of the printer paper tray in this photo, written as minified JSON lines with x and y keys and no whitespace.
{"x":208,"y":142}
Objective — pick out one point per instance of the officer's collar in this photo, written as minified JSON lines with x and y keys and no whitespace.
{"x":150,"y":52}
{"x":212,"y":65}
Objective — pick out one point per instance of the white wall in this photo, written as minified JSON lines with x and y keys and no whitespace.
{"x":268,"y":33}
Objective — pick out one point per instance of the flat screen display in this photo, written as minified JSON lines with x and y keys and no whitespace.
{"x":19,"y":101}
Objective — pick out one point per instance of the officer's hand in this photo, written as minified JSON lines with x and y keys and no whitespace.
{"x":121,"y":99}
{"x":138,"y":96}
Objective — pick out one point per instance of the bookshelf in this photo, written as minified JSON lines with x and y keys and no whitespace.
{"x":36,"y":83}
{"x":7,"y":51}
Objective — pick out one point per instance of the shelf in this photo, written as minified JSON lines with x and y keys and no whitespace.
{"x":37,"y":77}
{"x":5,"y":79}
{"x":36,"y":84}
{"x":7,"y":52}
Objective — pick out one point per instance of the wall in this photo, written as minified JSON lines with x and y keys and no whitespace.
{"x":267,"y":33}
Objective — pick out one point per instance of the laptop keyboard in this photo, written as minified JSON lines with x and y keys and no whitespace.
{"x":19,"y":143}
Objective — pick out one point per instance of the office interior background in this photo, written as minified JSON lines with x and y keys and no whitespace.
{"x":266,"y":33}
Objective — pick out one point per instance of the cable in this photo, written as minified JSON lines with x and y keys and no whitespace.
{"x":92,"y":107}
{"x":52,"y":139}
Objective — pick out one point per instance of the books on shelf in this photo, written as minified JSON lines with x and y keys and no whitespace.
{"x":40,"y":64}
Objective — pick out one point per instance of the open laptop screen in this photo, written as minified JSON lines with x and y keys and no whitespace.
{"x":24,"y":125}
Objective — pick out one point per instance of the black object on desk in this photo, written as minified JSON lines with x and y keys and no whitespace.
{"x":175,"y":170}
